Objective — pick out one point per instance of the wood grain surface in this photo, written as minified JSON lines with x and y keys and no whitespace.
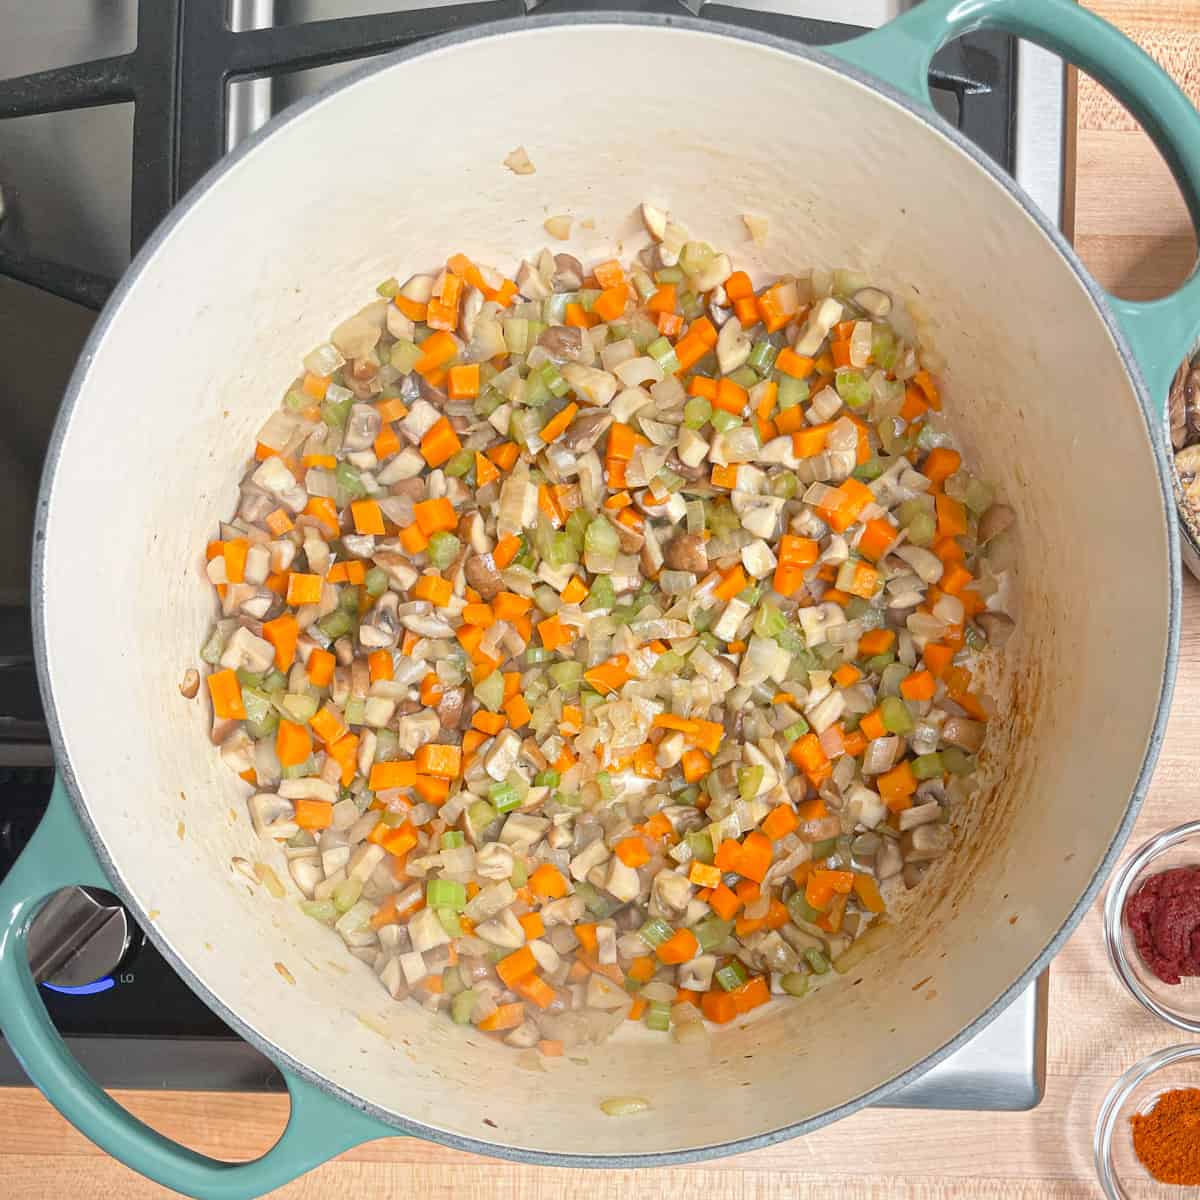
{"x":1132,"y":230}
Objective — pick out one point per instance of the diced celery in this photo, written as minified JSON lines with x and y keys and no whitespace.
{"x":516,"y":335}
{"x":562,"y":550}
{"x":449,"y":921}
{"x":723,"y":421}
{"x":700,"y":844}
{"x":347,"y":893}
{"x":871,"y":469}
{"x":504,"y":797}
{"x":791,"y":392}
{"x":799,"y":908}
{"x":658,"y":1016}
{"x":762,"y":356}
{"x":256,"y":703}
{"x":979,"y":496}
{"x":663,"y":353}
{"x":460,"y":464}
{"x":689,"y":795}
{"x":480,"y":815}
{"x":548,"y":778}
{"x":462,"y":1006}
{"x":566,"y":674}
{"x":921,"y":529}
{"x":797,"y":729}
{"x":319,"y":910}
{"x":601,"y":539}
{"x":376,"y":581}
{"x":794,"y":983}
{"x":928,"y":766}
{"x":601,"y":904}
{"x":275,"y":681}
{"x":443,"y":549}
{"x":749,"y":780}
{"x":335,"y":412}
{"x":536,"y":391}
{"x":853,"y":388}
{"x":744,"y":377}
{"x":817,"y":960}
{"x":355,"y":711}
{"x":823,"y":849}
{"x":883,"y":345}
{"x":537,"y":654}
{"x":732,"y":975}
{"x":405,"y":355}
{"x":655,"y":931}
{"x":604,"y":783}
{"x":336,"y":624}
{"x":300,"y":770}
{"x":250,"y":678}
{"x":490,"y":691}
{"x":520,"y":873}
{"x":669,"y":663}
{"x":711,"y":931}
{"x":488,"y":401}
{"x":295,"y":400}
{"x":576,"y":526}
{"x":696,"y":412}
{"x":895,"y":715}
{"x":388,"y":288}
{"x":452,"y":839}
{"x":555,"y":383}
{"x":769,"y":621}
{"x":301,"y":708}
{"x":668,"y":275}
{"x":880,"y":662}
{"x":785,"y":484}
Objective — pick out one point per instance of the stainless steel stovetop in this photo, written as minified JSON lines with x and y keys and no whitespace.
{"x":65,"y":181}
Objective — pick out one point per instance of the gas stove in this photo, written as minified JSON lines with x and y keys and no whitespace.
{"x":109,"y":112}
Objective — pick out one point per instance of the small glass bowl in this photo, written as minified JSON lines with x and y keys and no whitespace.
{"x":1120,"y":1171}
{"x":1177,"y":1003}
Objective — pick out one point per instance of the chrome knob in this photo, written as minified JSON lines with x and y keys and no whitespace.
{"x":80,"y":935}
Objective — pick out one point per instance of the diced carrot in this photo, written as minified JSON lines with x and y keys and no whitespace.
{"x":793,"y":364}
{"x":610,"y":304}
{"x":846,"y":675}
{"x":733,"y":581}
{"x":323,"y":509}
{"x":586,"y":933}
{"x":753,"y":993}
{"x":380,"y":665}
{"x":442,"y":761}
{"x":303,"y":589}
{"x":842,"y":506}
{"x":724,"y":901}
{"x":872,"y":725}
{"x":807,"y":442}
{"x":951,"y":516}
{"x":506,"y":1016}
{"x":664,"y":300}
{"x":876,"y":641}
{"x":718,"y":1007}
{"x":681,"y":947}
{"x":278,"y":522}
{"x":918,"y":686}
{"x":641,"y":970}
{"x":771,"y":309}
{"x":738,"y":286}
{"x":779,"y":822}
{"x":701,"y":385}
{"x":724,"y":476}
{"x":897,"y":786}
{"x":632,"y":852}
{"x":344,"y":752}
{"x":516,"y":966}
{"x":535,"y":989}
{"x":413,"y":539}
{"x":328,"y":726}
{"x":441,"y":443}
{"x":432,"y":790}
{"x":877,"y":536}
{"x":368,"y":517}
{"x":554,"y":633}
{"x":437,"y":350}
{"x":532,"y":924}
{"x":226,"y":693}
{"x":731,"y":397}
{"x":704,"y":875}
{"x":924,"y":381}
{"x":435,"y":589}
{"x":866,"y":581}
{"x":293,"y":744}
{"x":696,"y":765}
{"x":316,"y":385}
{"x":548,"y":882}
{"x":313,"y":814}
{"x":622,"y":441}
{"x":557,"y":425}
{"x":867,"y":891}
{"x":609,"y":274}
{"x":464,"y":381}
{"x":387,"y":775}
{"x":609,"y":676}
{"x":320,"y":667}
{"x":955,"y":578}
{"x":283,"y":633}
{"x":517,"y":711}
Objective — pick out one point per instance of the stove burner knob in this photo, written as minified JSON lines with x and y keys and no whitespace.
{"x":81,"y":935}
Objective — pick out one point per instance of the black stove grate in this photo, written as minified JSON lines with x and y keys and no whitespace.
{"x":187,"y":56}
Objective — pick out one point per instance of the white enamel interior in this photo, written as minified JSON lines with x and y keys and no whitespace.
{"x":390,"y":175}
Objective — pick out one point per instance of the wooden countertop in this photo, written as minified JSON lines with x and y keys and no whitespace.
{"x":1132,"y":230}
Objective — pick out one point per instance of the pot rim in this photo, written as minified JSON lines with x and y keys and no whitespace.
{"x":298,"y":112}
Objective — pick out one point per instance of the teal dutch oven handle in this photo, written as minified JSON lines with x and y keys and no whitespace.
{"x":319,"y":1128}
{"x":1160,"y":332}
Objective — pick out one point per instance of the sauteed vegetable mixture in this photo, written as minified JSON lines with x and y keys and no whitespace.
{"x":600,"y":644}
